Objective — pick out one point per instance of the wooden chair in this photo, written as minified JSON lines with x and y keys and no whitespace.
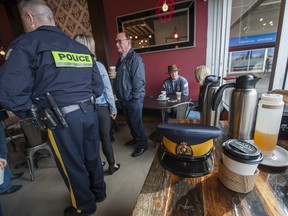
{"x":36,"y":140}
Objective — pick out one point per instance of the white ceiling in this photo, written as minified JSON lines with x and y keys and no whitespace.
{"x":246,"y":15}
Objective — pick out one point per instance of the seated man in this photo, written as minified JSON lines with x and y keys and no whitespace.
{"x":175,"y":83}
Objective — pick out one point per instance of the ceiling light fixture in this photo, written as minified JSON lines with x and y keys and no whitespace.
{"x":2,"y":51}
{"x":164,"y":7}
{"x":165,"y":10}
{"x":176,"y":34}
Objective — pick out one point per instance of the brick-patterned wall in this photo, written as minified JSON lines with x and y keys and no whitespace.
{"x":72,"y":16}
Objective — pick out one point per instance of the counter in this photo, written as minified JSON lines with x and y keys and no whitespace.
{"x":165,"y":194}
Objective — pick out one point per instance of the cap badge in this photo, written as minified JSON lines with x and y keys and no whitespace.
{"x":184,"y":149}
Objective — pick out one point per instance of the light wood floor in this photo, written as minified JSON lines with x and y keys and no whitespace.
{"x":48,"y":196}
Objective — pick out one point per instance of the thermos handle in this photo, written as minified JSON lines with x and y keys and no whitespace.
{"x":218,"y":95}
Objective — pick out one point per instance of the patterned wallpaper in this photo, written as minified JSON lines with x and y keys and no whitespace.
{"x":72,"y":16}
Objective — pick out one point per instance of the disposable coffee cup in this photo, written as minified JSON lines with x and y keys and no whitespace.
{"x":178,"y":95}
{"x":1,"y":176}
{"x":112,"y":71}
{"x":241,"y":157}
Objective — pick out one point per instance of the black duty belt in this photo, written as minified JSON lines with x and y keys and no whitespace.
{"x":71,"y":108}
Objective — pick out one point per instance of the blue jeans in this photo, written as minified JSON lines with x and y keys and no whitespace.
{"x":132,"y":111}
{"x":194,"y":115}
{"x":4,"y":154}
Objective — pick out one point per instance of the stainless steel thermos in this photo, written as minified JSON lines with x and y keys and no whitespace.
{"x":208,"y":89}
{"x":242,"y":106}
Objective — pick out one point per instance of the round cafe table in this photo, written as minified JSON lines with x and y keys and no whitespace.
{"x":152,"y":102}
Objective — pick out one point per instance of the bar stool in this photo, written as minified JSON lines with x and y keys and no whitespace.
{"x":36,"y":140}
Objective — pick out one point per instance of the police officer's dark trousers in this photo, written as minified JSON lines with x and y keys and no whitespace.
{"x":76,"y":150}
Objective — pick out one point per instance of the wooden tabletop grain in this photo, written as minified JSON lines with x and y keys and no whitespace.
{"x":167,"y":194}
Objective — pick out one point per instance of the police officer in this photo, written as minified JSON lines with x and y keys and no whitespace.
{"x":46,"y":60}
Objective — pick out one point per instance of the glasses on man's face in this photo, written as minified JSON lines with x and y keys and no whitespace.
{"x":120,"y":40}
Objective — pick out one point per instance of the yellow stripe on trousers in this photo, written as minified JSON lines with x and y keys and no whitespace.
{"x":56,"y":150}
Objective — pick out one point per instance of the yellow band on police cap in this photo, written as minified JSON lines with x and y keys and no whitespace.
{"x":184,"y":149}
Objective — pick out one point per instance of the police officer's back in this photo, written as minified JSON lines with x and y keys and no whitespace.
{"x":44,"y":67}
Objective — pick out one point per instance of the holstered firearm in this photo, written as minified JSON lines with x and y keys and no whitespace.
{"x":49,"y":118}
{"x":36,"y":119}
{"x":47,"y":115}
{"x":42,"y":117}
{"x":58,"y":114}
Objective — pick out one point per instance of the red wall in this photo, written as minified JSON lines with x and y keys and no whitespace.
{"x":156,"y":63}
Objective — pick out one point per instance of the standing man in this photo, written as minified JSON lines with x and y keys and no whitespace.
{"x":44,"y":61}
{"x":129,"y":87}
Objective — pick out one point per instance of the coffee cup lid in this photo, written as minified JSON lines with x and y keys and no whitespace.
{"x":242,"y":151}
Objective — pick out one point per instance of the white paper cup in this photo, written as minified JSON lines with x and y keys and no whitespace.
{"x":238,"y":167}
{"x":241,"y":157}
{"x":178,"y":95}
{"x":112,"y":71}
{"x":1,"y":176}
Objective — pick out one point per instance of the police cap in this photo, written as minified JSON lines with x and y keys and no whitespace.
{"x":187,"y":149}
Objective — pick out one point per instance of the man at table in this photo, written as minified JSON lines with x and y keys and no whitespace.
{"x":175,"y":83}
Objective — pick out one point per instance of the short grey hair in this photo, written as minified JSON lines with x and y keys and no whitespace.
{"x":39,"y":9}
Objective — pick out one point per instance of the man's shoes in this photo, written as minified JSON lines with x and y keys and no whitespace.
{"x":11,"y":190}
{"x":114,"y":168}
{"x":130,"y":142}
{"x":71,"y":211}
{"x":103,"y":163}
{"x":139,"y":151}
{"x":17,"y":175}
{"x":100,"y":199}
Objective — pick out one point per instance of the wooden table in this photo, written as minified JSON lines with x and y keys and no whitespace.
{"x":152,"y":102}
{"x":166,"y":194}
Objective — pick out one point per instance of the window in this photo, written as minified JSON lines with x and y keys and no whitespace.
{"x":243,"y":34}
{"x":252,"y":41}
